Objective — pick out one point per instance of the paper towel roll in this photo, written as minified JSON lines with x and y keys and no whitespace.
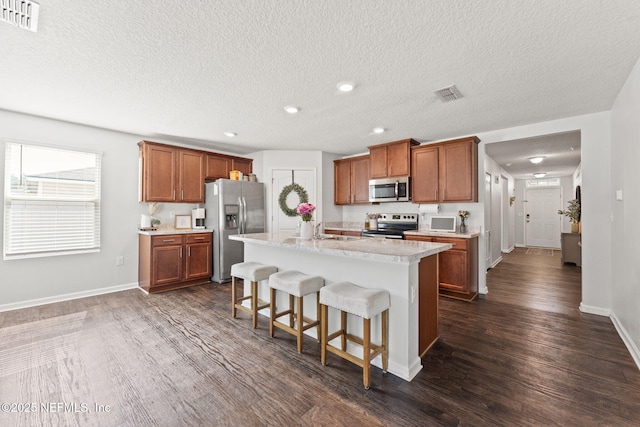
{"x":430,"y":209}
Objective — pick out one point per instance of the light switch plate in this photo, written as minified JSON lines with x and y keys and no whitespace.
{"x":618,"y":194}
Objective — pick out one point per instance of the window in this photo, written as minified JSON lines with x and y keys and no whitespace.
{"x":51,"y":201}
{"x":546,"y":182}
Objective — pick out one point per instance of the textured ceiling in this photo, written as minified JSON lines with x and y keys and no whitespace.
{"x":561,"y":154}
{"x":188,"y":71}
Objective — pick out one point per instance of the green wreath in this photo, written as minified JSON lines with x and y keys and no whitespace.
{"x":282,"y":200}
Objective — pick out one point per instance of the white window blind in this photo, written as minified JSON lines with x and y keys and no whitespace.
{"x":51,"y":201}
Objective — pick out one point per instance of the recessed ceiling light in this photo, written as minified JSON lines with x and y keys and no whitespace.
{"x":291,"y":109}
{"x":346,"y":86}
{"x":378,"y":130}
{"x":230,"y":134}
{"x":508,"y":164}
{"x":536,"y":160}
{"x":539,"y":175}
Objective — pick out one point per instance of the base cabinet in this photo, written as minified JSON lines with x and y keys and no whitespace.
{"x":572,"y":248}
{"x":457,"y":267}
{"x":173,"y":261}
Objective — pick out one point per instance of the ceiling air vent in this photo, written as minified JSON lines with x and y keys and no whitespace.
{"x":21,"y":13}
{"x":448,"y":93}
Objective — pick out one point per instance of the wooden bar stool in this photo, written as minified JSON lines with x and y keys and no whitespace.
{"x":254,"y":272}
{"x":298,"y":285}
{"x":362,"y":302}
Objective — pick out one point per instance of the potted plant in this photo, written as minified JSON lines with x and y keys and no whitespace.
{"x":573,"y":213}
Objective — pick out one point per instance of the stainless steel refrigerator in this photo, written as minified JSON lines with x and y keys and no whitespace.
{"x":232,"y":207}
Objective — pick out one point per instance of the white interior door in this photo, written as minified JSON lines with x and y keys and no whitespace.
{"x":280,"y":178}
{"x":542,"y":222}
{"x":487,"y":219}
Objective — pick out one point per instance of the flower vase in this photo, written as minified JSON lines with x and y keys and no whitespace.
{"x":463,"y":226}
{"x":306,"y":230}
{"x":575,"y":227}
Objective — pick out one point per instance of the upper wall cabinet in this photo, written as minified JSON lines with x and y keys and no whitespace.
{"x":351,"y":181}
{"x":391,"y":159}
{"x":445,"y":172}
{"x":171,"y":174}
{"x":219,"y":165}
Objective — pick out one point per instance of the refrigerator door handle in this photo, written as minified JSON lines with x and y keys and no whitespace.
{"x":244,"y":215}
{"x":240,"y":215}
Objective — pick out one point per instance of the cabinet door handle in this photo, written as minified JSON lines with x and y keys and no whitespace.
{"x":180,"y":252}
{"x":189,"y":251}
{"x":198,"y":238}
{"x":168,"y":240}
{"x":435,"y":193}
{"x":181,"y":194}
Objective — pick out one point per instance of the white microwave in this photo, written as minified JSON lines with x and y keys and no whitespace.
{"x":389,"y":189}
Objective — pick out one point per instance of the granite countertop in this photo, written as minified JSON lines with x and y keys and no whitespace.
{"x":163,"y":231}
{"x":388,"y":250}
{"x":429,"y":233}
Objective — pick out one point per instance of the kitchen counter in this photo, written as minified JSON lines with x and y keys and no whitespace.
{"x":163,"y":231}
{"x":408,"y":270}
{"x":385,"y":250}
{"x":430,"y":233}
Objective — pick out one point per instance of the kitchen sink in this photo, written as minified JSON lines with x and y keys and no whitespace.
{"x":336,"y":237}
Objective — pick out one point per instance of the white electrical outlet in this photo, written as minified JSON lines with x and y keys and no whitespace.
{"x":172,"y":214}
{"x":414,"y":294}
{"x":119,"y":260}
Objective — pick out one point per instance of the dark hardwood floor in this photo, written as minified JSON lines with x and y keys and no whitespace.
{"x":522,"y":355}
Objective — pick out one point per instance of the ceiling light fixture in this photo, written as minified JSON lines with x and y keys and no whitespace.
{"x":230,"y":134}
{"x":539,"y":175}
{"x":346,"y":86}
{"x":291,"y":109}
{"x":378,"y":130}
{"x":536,"y":160}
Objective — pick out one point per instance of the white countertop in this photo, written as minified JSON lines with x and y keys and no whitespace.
{"x":163,"y":231}
{"x":389,"y":250}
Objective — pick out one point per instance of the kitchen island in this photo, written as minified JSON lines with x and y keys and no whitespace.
{"x":407,"y":269}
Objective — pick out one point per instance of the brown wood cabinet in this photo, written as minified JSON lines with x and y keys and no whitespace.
{"x":171,"y":174}
{"x":174,"y":174}
{"x":391,"y":159}
{"x":218,"y":166}
{"x":243,"y":165}
{"x":445,"y":172}
{"x":190,"y":176}
{"x":172,"y":261}
{"x":351,"y":181}
{"x":458,"y":266}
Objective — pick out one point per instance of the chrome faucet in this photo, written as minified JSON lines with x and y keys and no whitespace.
{"x":316,"y":230}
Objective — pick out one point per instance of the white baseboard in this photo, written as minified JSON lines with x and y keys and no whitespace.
{"x":509,"y":250}
{"x":626,"y":338}
{"x":66,"y":297}
{"x":595,"y":310}
{"x":496,"y":262}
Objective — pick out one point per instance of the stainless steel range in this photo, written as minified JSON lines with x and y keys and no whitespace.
{"x":393,"y":225}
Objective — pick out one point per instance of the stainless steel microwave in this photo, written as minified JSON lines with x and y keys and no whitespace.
{"x":389,"y":189}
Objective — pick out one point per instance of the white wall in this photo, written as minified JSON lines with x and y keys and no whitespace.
{"x":43,"y":279}
{"x":322,"y":163}
{"x":596,"y":198}
{"x":625,"y":156}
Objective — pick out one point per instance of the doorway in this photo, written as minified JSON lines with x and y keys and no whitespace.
{"x":542,"y":222}
{"x":280,"y":178}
